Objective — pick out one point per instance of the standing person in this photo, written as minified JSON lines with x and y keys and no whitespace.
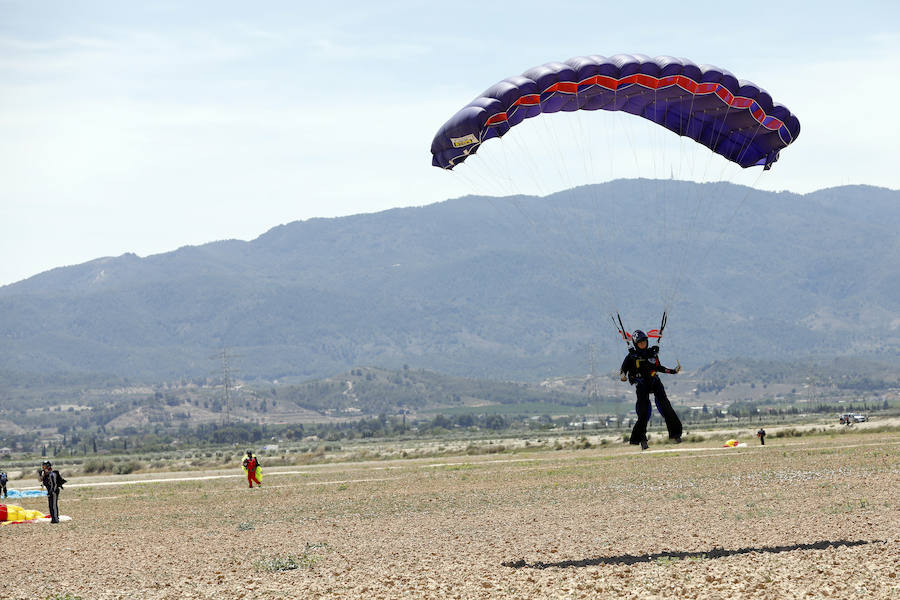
{"x":53,"y":482}
{"x":3,"y":480}
{"x":640,"y":369}
{"x":761,"y":434}
{"x":250,"y":465}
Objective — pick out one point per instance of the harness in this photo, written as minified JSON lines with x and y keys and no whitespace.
{"x":654,"y":362}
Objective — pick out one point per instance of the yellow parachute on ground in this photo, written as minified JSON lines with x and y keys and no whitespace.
{"x":733,"y":444}
{"x":10,"y":514}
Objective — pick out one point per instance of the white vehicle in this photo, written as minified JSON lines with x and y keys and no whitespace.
{"x":853,"y":418}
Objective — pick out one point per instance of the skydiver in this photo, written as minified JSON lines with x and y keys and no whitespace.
{"x":640,"y":369}
{"x":250,"y":463}
{"x":53,"y":481}
{"x":3,"y":480}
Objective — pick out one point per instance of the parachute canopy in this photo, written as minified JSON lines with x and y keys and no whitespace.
{"x":11,"y":514}
{"x":734,"y":118}
{"x":26,"y":493}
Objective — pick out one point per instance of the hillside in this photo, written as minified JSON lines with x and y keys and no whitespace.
{"x":514,"y":288}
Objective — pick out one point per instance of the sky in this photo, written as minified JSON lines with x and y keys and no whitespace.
{"x":147,"y":126}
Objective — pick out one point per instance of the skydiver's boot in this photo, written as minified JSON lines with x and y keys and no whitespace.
{"x":644,"y":445}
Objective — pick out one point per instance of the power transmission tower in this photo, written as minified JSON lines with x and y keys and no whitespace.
{"x":593,"y":384}
{"x":227,"y":371}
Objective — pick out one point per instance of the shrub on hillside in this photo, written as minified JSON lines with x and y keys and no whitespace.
{"x":790,"y":432}
{"x":98,"y":465}
{"x":129,"y":466}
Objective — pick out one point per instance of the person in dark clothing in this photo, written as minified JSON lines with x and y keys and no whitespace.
{"x":640,"y":369}
{"x":3,"y":480}
{"x":761,"y":434}
{"x":52,"y":481}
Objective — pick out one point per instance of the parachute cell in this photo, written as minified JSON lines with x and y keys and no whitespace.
{"x":734,"y":118}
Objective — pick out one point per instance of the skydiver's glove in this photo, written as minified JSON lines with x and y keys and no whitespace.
{"x":623,"y":376}
{"x":678,"y":368}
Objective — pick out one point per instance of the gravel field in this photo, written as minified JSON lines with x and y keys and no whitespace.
{"x":815,"y":517}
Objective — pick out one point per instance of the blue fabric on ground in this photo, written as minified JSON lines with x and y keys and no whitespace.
{"x":26,"y":493}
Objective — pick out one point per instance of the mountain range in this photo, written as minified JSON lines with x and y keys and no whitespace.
{"x":516,"y":288}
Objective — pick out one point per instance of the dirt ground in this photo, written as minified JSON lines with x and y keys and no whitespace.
{"x":815,"y":517}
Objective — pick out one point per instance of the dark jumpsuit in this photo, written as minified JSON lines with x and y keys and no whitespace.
{"x":641,"y":367}
{"x":51,"y":482}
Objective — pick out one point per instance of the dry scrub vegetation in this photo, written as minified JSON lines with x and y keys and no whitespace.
{"x":813,"y":517}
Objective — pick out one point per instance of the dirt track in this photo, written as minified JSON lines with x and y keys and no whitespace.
{"x":816,"y":517}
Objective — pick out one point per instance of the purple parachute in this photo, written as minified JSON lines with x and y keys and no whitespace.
{"x":733,"y":118}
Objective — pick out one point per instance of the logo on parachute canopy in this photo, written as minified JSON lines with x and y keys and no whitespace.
{"x":467,"y":140}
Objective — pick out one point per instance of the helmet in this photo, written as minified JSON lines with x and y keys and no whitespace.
{"x":249,"y":453}
{"x":638,"y":336}
{"x":46,"y":463}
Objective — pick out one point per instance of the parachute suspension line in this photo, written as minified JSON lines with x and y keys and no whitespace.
{"x":682,"y":263}
{"x":646,"y":168}
{"x":501,"y":171}
{"x":592,"y":251}
{"x":620,"y":328}
{"x":495,"y":179}
{"x":664,"y":189}
{"x":473,"y":185}
{"x":749,"y":142}
{"x":704,"y":254}
{"x":474,"y":178}
{"x":541,"y":232}
{"x":654,"y":137}
{"x":700,"y":193}
{"x":633,"y":145}
{"x":581,"y":134}
{"x":609,"y":216}
{"x":562,"y":169}
{"x":613,"y":137}
{"x":610,"y":132}
{"x":587,"y":237}
{"x":497,"y":182}
{"x":594,"y":233}
{"x":514,"y":202}
{"x":715,"y":143}
{"x":658,"y":148}
{"x":682,"y":131}
{"x":488,"y":177}
{"x":533,"y":168}
{"x":498,"y":177}
{"x":513,"y":187}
